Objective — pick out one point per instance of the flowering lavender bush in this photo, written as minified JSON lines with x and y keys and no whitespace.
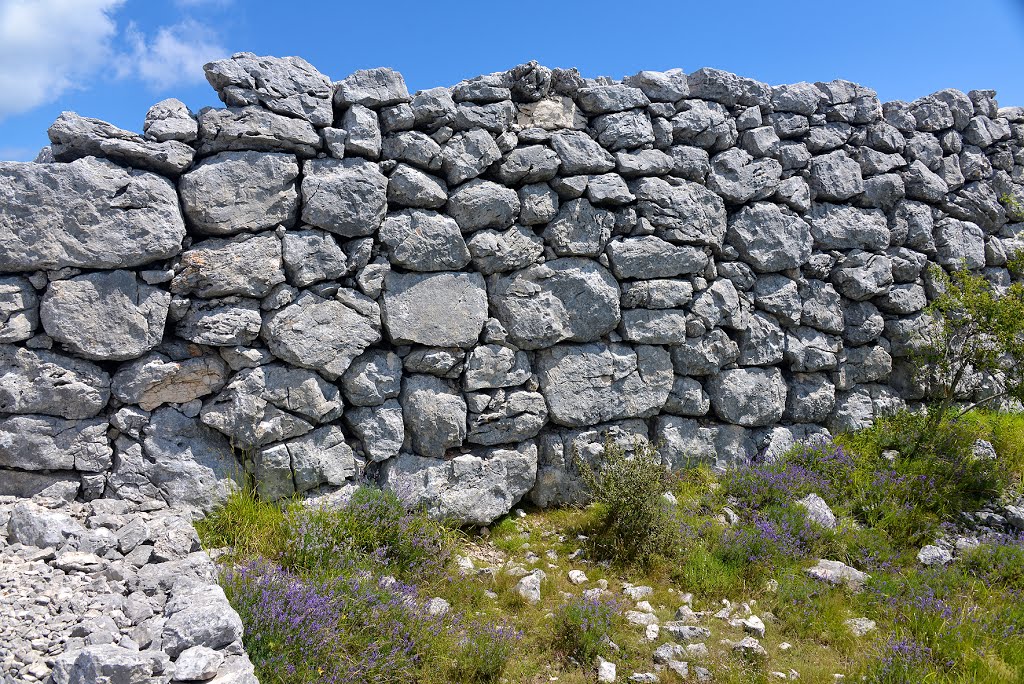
{"x":583,"y":625}
{"x":374,"y":528}
{"x":999,"y":561}
{"x":483,"y":651}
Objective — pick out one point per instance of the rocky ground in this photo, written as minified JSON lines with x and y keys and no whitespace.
{"x":109,"y":591}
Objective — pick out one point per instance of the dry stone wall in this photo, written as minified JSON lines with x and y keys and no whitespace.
{"x":453,"y":292}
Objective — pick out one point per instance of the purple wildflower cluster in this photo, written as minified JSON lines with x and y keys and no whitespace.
{"x":583,"y":624}
{"x":819,"y":468}
{"x":901,"y":659}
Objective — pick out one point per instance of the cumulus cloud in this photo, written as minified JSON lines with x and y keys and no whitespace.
{"x":48,"y":47}
{"x":175,"y":55}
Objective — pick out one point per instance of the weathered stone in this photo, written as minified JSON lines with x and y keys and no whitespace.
{"x":960,"y":244}
{"x":492,"y":366}
{"x":835,"y":226}
{"x":90,"y":213}
{"x":311,"y":256}
{"x":157,"y":379}
{"x":48,"y":443}
{"x":483,"y":204}
{"x":657,"y":326}
{"x":170,"y":119}
{"x":248,"y":266}
{"x":204,"y":618}
{"x":530,"y":164}
{"x":729,"y":89}
{"x":656,"y":294}
{"x":624,"y":130}
{"x":495,"y":252}
{"x":738,"y":178}
{"x":221,"y":322}
{"x":539,"y":204}
{"x":580,"y":229}
{"x":105,"y":316}
{"x":651,"y":257}
{"x":19,"y":309}
{"x":286,"y":85}
{"x":233,"y":192}
{"x":474,"y":488}
{"x":103,"y":663}
{"x":51,"y":384}
{"x":704,"y":355}
{"x":381,"y":429}
{"x":581,"y":154}
{"x":347,"y":197}
{"x":435,"y":309}
{"x":323,"y":334}
{"x":594,"y":383}
{"x":410,"y":187}
{"x":467,"y":155}
{"x":661,"y":86}
{"x":435,"y":415}
{"x":422,"y":240}
{"x":362,"y":132}
{"x":681,"y":212}
{"x":74,"y":137}
{"x":862,"y":275}
{"x":834,"y":572}
{"x":378,"y":87}
{"x":809,"y":350}
{"x":509,"y":417}
{"x":254,"y":128}
{"x":708,"y":125}
{"x":761,"y":342}
{"x":768,"y":239}
{"x":835,"y":177}
{"x":565,"y":299}
{"x":750,"y":397}
{"x":608,"y":189}
{"x":810,"y":398}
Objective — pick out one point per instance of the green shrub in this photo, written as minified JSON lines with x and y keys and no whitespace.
{"x":583,"y":627}
{"x":482,"y":653}
{"x":633,"y":524}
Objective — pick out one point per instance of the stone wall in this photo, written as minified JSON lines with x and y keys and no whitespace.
{"x":453,"y":292}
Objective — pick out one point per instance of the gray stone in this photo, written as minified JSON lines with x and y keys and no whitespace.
{"x":708,"y":125}
{"x":594,"y":383}
{"x":248,"y":266}
{"x":298,"y":465}
{"x":156,"y":379}
{"x":651,"y":257}
{"x":74,"y":137}
{"x":738,"y":178}
{"x":378,"y":87}
{"x":103,"y":663}
{"x":198,"y":663}
{"x":483,"y":204}
{"x":690,"y":163}
{"x":311,"y":256}
{"x":580,"y":229}
{"x":608,"y":189}
{"x":761,"y":342}
{"x":565,"y":299}
{"x":810,"y":398}
{"x":105,"y":316}
{"x":862,"y":275}
{"x":254,"y":128}
{"x":809,"y":350}
{"x":410,"y":187}
{"x":603,"y":99}
{"x":467,"y":155}
{"x":681,"y":211}
{"x":801,"y":98}
{"x":233,"y":192}
{"x":720,"y":305}
{"x":170,"y":119}
{"x":435,"y":309}
{"x":661,"y":86}
{"x":492,"y":366}
{"x":822,"y":306}
{"x":751,"y":397}
{"x":373,"y":378}
{"x":780,"y":296}
{"x":434,"y":413}
{"x":656,"y":294}
{"x":473,"y":489}
{"x":381,"y":429}
{"x":729,"y":89}
{"x":530,"y":164}
{"x":835,"y":226}
{"x":323,"y":334}
{"x":687,"y":398}
{"x":768,"y":239}
{"x":221,"y":322}
{"x":539,"y":204}
{"x":960,"y":244}
{"x":19,"y":309}
{"x":433,"y":107}
{"x":285,"y":85}
{"x":347,"y":197}
{"x":704,"y":355}
{"x":834,"y":572}
{"x":835,"y":177}
{"x":415,"y":148}
{"x":90,"y":213}
{"x":818,"y":511}
{"x":51,"y":384}
{"x":653,"y":326}
{"x":421,"y":240}
{"x":204,"y":618}
{"x":509,"y":417}
{"x":496,"y":252}
{"x":624,"y":130}
{"x":863,"y":364}
{"x":363,"y":132}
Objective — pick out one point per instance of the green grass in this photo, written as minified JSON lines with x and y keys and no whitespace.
{"x":953,"y":625}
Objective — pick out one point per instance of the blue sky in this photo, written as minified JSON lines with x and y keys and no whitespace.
{"x":112,"y":59}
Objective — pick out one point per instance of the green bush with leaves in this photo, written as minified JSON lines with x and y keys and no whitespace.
{"x":634,"y":525}
{"x":1014,"y":207}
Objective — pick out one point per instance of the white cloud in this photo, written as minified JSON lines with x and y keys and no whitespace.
{"x":175,"y":55}
{"x":50,"y":46}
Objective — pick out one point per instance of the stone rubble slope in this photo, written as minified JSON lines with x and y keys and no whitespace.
{"x":458,"y":292}
{"x":110,"y":591}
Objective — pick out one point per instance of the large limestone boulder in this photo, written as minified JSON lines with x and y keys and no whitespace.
{"x":471,"y":489}
{"x":290,"y":86}
{"x":421,"y":240}
{"x":47,"y":443}
{"x":157,"y":379}
{"x":74,"y":137}
{"x":649,"y":257}
{"x":90,"y":213}
{"x":750,"y":397}
{"x":768,"y":239}
{"x":381,"y":429}
{"x":506,"y":417}
{"x":108,"y":316}
{"x":298,"y":465}
{"x":249,"y":266}
{"x":257,"y":129}
{"x":587,"y":384}
{"x":51,"y":384}
{"x":347,"y":197}
{"x":323,"y":334}
{"x":435,"y":415}
{"x":681,"y":211}
{"x":566,"y":299}
{"x":434,"y":309}
{"x":234,"y":192}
